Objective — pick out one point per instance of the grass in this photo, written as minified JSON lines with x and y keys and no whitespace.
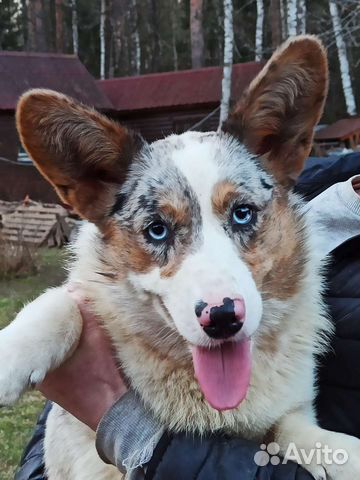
{"x":17,"y":422}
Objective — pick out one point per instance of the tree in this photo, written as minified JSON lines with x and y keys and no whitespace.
{"x":283,"y":18}
{"x":37,"y":26}
{"x":11,"y":37}
{"x":145,"y":36}
{"x":25,"y":24}
{"x":74,"y":27}
{"x":59,"y":27}
{"x":135,"y":39}
{"x":102,"y":38}
{"x":228,"y":61}
{"x":174,"y":35}
{"x":343,"y":58}
{"x":292,"y":14}
{"x":155,"y":29}
{"x":197,"y":34}
{"x":118,"y":29}
{"x":275,"y":20}
{"x":259,"y":30}
{"x":301,"y":24}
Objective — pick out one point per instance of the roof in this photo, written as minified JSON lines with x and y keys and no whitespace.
{"x":175,"y":89}
{"x":339,"y":130}
{"x":20,"y":71}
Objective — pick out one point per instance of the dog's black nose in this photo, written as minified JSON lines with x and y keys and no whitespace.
{"x":222,"y":320}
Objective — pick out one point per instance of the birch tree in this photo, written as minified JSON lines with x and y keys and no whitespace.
{"x":74,"y":27}
{"x":301,"y":20}
{"x":283,"y":20}
{"x":135,"y":37}
{"x":197,"y":33}
{"x":174,"y":35}
{"x":292,"y":14}
{"x":259,"y":30}
{"x":102,"y":38}
{"x":343,"y":58}
{"x":296,"y":17}
{"x":228,"y":61}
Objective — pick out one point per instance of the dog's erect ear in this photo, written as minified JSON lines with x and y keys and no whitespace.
{"x":276,"y":116}
{"x":83,"y":154}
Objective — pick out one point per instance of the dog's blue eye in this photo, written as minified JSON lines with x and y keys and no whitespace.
{"x":158,"y":232}
{"x":242,"y":215}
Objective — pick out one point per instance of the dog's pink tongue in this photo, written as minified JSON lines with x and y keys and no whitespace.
{"x":223,"y":373}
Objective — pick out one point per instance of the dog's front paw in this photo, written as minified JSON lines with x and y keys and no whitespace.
{"x":335,"y":457}
{"x":42,"y":336}
{"x":19,"y":369}
{"x":343,"y":458}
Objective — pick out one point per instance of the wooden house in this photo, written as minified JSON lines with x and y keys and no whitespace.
{"x":155,"y":105}
{"x":20,"y":71}
{"x":162,"y":103}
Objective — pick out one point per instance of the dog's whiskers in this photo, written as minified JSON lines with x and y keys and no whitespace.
{"x":169,"y":336}
{"x":99,"y":282}
{"x":107,"y":274}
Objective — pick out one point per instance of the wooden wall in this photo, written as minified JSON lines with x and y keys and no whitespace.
{"x":154,"y":125}
{"x":9,"y":141}
{"x":18,"y":180}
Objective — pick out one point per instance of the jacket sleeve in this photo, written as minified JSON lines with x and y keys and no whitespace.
{"x":128,"y":434}
{"x":181,"y":457}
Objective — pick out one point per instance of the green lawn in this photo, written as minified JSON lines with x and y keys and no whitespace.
{"x":16,"y":423}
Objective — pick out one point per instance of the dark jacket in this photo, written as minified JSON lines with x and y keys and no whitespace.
{"x":32,"y":462}
{"x":338,"y":402}
{"x":180,"y":457}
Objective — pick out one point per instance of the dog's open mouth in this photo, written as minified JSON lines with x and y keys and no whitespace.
{"x":223,"y":373}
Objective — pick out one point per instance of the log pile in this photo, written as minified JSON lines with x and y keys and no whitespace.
{"x":35,"y":223}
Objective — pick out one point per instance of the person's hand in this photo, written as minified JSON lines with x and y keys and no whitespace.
{"x":356,"y":184}
{"x":89,"y":382}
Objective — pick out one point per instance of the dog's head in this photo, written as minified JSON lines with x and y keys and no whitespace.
{"x":202,"y":221}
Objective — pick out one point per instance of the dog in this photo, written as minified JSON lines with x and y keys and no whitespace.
{"x":199,"y":260}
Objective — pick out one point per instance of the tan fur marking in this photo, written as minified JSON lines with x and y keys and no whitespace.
{"x":276,"y":255}
{"x":224,"y":192}
{"x":165,"y":355}
{"x":172,"y":267}
{"x":177,"y":211}
{"x":125,"y":250}
{"x":269,"y":342}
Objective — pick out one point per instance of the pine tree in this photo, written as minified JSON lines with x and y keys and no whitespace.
{"x":11,"y":37}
